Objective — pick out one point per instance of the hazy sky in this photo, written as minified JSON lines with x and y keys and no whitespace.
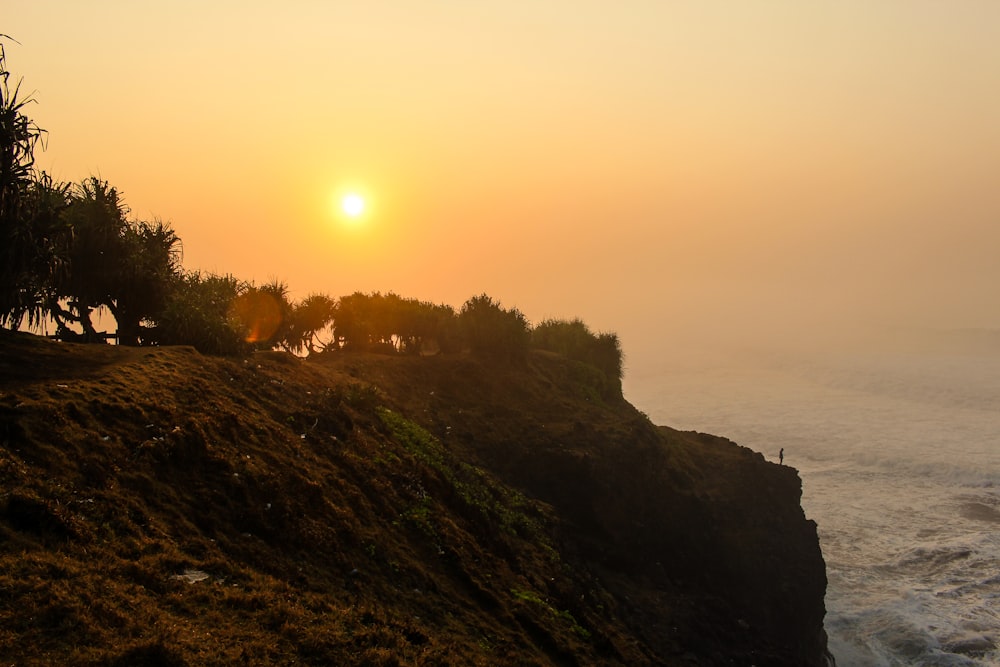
{"x":647,"y":166}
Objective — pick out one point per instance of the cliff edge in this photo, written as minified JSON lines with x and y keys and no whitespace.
{"x":160,"y":507}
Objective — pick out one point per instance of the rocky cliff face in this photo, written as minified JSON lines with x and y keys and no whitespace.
{"x":159,"y":507}
{"x":703,"y":543}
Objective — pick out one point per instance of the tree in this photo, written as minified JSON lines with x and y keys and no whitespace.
{"x":428,"y":328}
{"x":390,"y":323}
{"x":199,"y":312}
{"x":493,"y":331}
{"x":65,"y":251}
{"x":570,"y":338}
{"x":352,"y":328}
{"x":574,"y":340}
{"x":32,"y":235}
{"x":127,"y":266}
{"x":97,"y":219}
{"x":264,"y":313}
{"x":310,"y":316}
{"x":444,"y":329}
{"x":607,"y":355}
{"x":150,"y":267}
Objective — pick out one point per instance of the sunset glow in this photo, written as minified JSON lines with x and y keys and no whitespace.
{"x":567,"y":158}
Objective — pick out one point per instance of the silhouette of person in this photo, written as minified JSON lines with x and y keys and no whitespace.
{"x":781,"y":456}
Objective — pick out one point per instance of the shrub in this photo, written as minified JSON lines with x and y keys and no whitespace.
{"x":199,"y":313}
{"x":573,"y":339}
{"x":494,"y":332}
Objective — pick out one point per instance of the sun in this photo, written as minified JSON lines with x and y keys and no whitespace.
{"x":352,"y":204}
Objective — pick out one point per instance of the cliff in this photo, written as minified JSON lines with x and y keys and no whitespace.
{"x":160,"y":507}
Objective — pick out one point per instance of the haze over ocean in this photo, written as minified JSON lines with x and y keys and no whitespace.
{"x":897,"y":447}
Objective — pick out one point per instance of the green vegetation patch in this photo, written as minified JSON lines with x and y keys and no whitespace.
{"x":532,"y":597}
{"x":499,"y":505}
{"x":416,"y":439}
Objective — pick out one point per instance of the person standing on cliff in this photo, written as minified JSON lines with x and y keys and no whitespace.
{"x":781,"y":457}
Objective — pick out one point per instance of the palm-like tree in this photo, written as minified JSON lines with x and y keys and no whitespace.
{"x":98,"y":251}
{"x":32,"y":236}
{"x":150,"y":267}
{"x":126,"y":266}
{"x":308,"y":318}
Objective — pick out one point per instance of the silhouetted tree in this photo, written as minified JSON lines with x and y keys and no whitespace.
{"x":34,"y":254}
{"x":33,"y":236}
{"x":494,"y":332}
{"x":390,"y":323}
{"x":97,"y":219}
{"x":570,"y":338}
{"x":607,"y":355}
{"x":149,"y":269}
{"x":433,"y":327}
{"x":127,"y":266}
{"x":310,"y":316}
{"x":352,"y":328}
{"x":199,"y":312}
{"x":263,"y":313}
{"x":573,"y":339}
{"x":444,"y":329}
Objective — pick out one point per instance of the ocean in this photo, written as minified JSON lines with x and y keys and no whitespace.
{"x":898,"y":448}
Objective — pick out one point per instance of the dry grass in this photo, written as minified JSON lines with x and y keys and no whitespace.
{"x":362,"y":510}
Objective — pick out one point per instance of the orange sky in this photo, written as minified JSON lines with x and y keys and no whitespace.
{"x":647,"y":166}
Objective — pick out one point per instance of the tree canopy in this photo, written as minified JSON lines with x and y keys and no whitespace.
{"x":33,"y":235}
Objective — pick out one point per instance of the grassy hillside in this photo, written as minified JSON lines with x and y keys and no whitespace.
{"x":160,"y":507}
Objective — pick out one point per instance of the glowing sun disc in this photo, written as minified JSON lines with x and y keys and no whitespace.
{"x":353,"y":205}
